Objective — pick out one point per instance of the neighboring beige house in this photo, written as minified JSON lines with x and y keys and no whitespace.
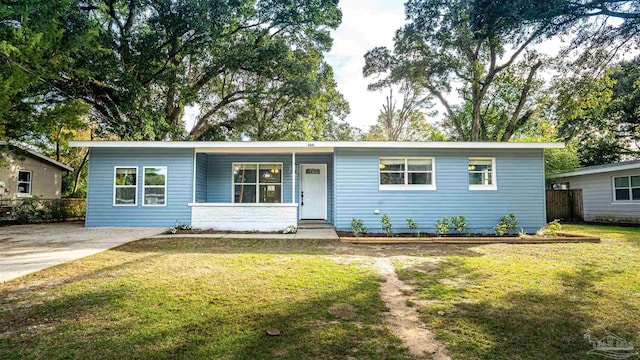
{"x":29,"y":174}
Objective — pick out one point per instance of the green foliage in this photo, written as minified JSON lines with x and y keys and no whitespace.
{"x":552,"y":229}
{"x":506,"y":225}
{"x":35,"y":209}
{"x":386,"y":225}
{"x":444,"y":46}
{"x":357,"y":227}
{"x":459,"y":223}
{"x":443,"y":226}
{"x":413,"y":226}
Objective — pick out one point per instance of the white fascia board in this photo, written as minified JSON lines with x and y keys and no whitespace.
{"x":39,"y":155}
{"x":301,"y":146}
{"x":596,"y":171}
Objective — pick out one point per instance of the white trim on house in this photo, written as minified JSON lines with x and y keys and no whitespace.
{"x":494,"y":177}
{"x":145,"y":186}
{"x":629,"y":188}
{"x":314,"y":146}
{"x":30,"y":182}
{"x":597,"y":170}
{"x":135,"y":199}
{"x":406,"y":186}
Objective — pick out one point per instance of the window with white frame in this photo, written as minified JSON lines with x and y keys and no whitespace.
{"x":626,"y":188}
{"x":482,"y":173}
{"x":155,"y":186}
{"x":257,"y":182}
{"x":24,"y":182}
{"x":125,"y":187}
{"x":407,"y":174}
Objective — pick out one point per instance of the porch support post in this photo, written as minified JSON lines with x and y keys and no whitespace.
{"x":293,"y":177}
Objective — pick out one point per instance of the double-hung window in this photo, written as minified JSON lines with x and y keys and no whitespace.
{"x":125,"y":191}
{"x":407,"y":174}
{"x":257,"y":182}
{"x":626,"y":188}
{"x":482,"y":174}
{"x":155,"y":186}
{"x":24,"y":183}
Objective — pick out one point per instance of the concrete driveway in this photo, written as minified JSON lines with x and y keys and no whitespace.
{"x":28,"y":248}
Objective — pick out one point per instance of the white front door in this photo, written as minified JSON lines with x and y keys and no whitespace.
{"x":313,"y":192}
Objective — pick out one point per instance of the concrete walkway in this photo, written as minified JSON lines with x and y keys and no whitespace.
{"x":309,"y":234}
{"x":28,"y":248}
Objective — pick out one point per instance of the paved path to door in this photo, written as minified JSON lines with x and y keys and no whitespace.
{"x":28,"y":248}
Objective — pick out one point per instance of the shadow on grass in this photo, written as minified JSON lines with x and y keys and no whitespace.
{"x":110,"y":319}
{"x":518,"y":324}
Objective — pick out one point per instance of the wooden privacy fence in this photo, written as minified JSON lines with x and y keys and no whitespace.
{"x":565,"y":205}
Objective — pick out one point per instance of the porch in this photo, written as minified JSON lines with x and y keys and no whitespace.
{"x":261,"y":191}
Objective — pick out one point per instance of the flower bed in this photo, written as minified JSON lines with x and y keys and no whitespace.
{"x":466,"y":239}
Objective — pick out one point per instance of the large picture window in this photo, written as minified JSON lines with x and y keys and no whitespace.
{"x":155,"y":186}
{"x":407,"y":174}
{"x":482,"y":174}
{"x":626,"y":188}
{"x":24,"y":183}
{"x":257,"y":182}
{"x":125,"y":191}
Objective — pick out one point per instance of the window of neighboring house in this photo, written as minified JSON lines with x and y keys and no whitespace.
{"x":155,"y":186}
{"x":24,"y":182}
{"x":482,"y":174}
{"x":125,"y":191}
{"x":257,"y":182}
{"x":407,"y":174}
{"x":626,"y":188}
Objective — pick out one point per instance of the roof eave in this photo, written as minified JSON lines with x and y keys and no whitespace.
{"x":596,"y":171}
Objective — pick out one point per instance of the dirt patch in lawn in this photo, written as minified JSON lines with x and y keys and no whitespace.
{"x":403,"y":320}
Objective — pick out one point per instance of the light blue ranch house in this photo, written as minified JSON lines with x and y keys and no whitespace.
{"x":268,"y":186}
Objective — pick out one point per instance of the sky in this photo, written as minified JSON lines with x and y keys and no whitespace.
{"x":365,"y":25}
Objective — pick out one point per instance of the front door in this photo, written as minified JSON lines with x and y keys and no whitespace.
{"x":313,"y":192}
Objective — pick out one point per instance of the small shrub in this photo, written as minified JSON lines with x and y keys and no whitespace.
{"x":442,"y":226}
{"x":552,"y":229}
{"x":28,"y":211}
{"x":55,"y":210}
{"x":386,"y":225}
{"x":172,"y":230}
{"x":506,"y":225}
{"x":357,"y":227}
{"x":459,"y":224}
{"x":412,"y":225}
{"x":291,"y":229}
{"x":184,"y":227}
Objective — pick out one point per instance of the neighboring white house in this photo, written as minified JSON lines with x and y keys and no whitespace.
{"x":610,"y":193}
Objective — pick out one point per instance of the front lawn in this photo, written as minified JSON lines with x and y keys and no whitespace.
{"x":532,"y":301}
{"x":198,"y":299}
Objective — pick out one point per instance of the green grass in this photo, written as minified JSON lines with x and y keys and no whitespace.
{"x":198,"y":299}
{"x":532,"y":301}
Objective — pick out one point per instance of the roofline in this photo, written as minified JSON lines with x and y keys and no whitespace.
{"x":39,"y":155}
{"x":315,"y":144}
{"x":596,"y":171}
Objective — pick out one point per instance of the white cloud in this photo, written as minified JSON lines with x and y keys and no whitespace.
{"x":365,"y":25}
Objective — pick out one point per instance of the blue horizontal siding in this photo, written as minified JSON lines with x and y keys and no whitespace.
{"x":520,"y":179}
{"x":201,"y":177}
{"x":100,"y":209}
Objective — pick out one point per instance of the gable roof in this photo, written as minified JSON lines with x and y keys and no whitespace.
{"x":303,"y":146}
{"x":597,"y":169}
{"x":38,"y":155}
